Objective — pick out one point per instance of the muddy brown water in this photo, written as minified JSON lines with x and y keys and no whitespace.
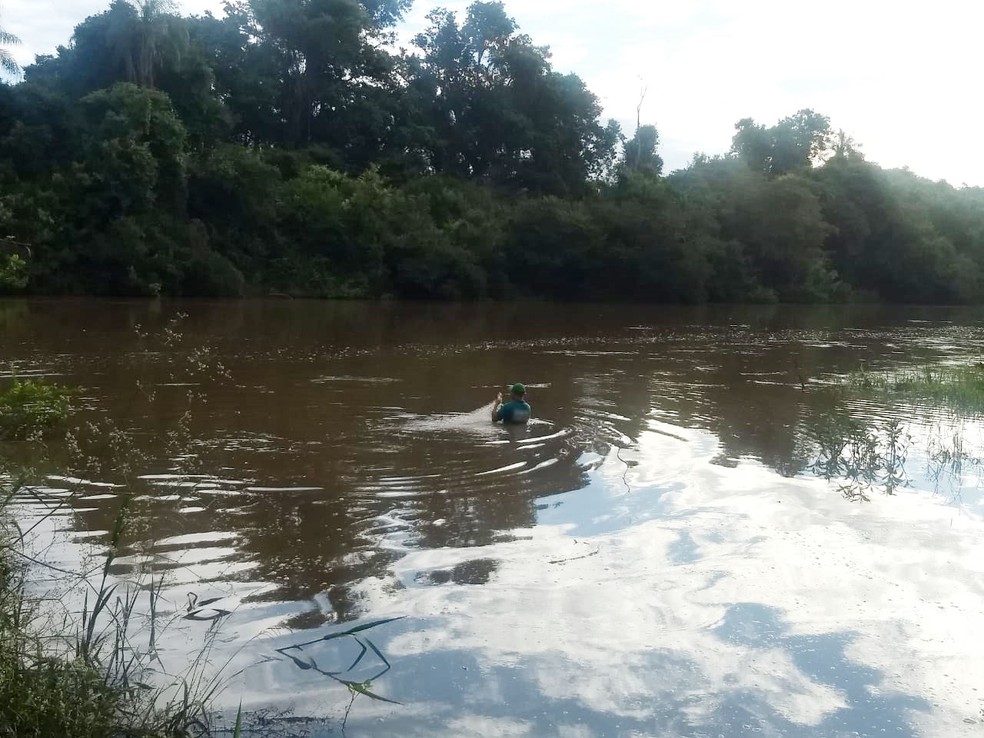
{"x":664,"y":551}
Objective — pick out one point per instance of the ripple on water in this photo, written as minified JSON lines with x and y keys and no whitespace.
{"x":356,"y":380}
{"x":473,"y":451}
{"x":602,"y":575}
{"x":78,"y":482}
{"x":502,"y":469}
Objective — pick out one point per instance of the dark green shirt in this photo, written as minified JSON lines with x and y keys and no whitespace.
{"x":514,"y":412}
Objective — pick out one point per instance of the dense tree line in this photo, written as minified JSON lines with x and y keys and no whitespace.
{"x":289,"y":147}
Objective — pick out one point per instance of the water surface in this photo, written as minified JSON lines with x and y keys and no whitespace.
{"x":665,"y":551}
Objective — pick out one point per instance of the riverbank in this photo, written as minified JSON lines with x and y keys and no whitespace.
{"x":48,"y":686}
{"x":75,"y":657}
{"x":92,"y":672}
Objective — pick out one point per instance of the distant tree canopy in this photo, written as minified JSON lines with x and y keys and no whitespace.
{"x":492,"y":108}
{"x":796,"y":142}
{"x":287,"y":147}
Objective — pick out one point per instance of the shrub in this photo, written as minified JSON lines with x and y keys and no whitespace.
{"x":31,"y":407}
{"x":13,"y":273}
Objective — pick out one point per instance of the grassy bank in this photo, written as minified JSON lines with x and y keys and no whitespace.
{"x":958,"y":387}
{"x":80,"y":659}
{"x":45,"y":688}
{"x":92,"y":672}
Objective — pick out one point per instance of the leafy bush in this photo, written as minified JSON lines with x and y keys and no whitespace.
{"x":30,"y":407}
{"x":13,"y":273}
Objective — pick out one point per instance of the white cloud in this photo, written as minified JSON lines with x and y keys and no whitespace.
{"x":630,"y":633}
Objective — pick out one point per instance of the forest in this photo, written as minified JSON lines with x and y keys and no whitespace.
{"x":293,"y":148}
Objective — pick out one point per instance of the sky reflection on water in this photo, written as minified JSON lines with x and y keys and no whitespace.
{"x":656,"y":557}
{"x":777,"y":622}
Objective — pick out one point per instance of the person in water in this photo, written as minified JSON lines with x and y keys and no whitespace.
{"x":516,"y":411}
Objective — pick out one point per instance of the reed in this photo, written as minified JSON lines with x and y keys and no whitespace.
{"x":96,"y":672}
{"x":959,"y":387}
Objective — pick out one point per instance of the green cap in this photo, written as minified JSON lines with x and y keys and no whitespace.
{"x":518,"y":389}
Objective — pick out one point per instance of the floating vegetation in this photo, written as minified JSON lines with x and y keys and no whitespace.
{"x":304,"y":660}
{"x":959,"y":387}
{"x":861,"y":457}
{"x":32,"y":407}
{"x":864,"y":455}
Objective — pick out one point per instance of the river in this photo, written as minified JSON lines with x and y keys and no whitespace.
{"x":667,"y":550}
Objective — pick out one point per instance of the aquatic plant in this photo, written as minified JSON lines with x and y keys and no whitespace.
{"x":13,"y":273}
{"x":959,"y":387}
{"x":303,"y":659}
{"x":307,"y":662}
{"x":93,"y":668}
{"x":860,"y":457}
{"x":96,"y":672}
{"x":32,"y":407}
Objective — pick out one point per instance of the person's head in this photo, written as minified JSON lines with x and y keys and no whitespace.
{"x":518,"y":393}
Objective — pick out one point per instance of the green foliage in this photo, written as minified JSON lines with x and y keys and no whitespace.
{"x":640,"y":153}
{"x":959,"y":387}
{"x":554,"y":249}
{"x":498,"y":111}
{"x":44,"y":696}
{"x":772,"y":229}
{"x":134,"y":151}
{"x":656,"y":249}
{"x":862,"y":457}
{"x":283,"y":148}
{"x":83,"y":674}
{"x":13,"y":273}
{"x":32,"y":407}
{"x":901,"y":237}
{"x":793,"y":143}
{"x":367,"y":238}
{"x":7,"y":63}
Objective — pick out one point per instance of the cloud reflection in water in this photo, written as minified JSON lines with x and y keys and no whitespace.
{"x":785,"y":611}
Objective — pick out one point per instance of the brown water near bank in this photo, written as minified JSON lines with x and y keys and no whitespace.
{"x":653,"y":556}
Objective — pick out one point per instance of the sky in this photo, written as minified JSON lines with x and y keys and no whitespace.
{"x":901,"y":78}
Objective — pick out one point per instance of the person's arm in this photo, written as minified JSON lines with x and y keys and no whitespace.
{"x":495,"y":407}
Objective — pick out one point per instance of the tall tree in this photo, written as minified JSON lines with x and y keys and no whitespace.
{"x":845,"y":147}
{"x":307,"y":73}
{"x":135,"y":144}
{"x":498,"y":111}
{"x":153,"y":27}
{"x":139,"y":43}
{"x":752,"y":143}
{"x":128,"y":42}
{"x":7,"y":62}
{"x":773,"y":228}
{"x":795,"y":142}
{"x":640,"y":152}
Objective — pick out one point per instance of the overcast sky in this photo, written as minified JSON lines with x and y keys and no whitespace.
{"x":903,"y":78}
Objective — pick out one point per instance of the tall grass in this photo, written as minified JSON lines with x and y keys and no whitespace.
{"x":91,"y":669}
{"x":45,"y":690}
{"x":96,"y":672}
{"x":959,"y":387}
